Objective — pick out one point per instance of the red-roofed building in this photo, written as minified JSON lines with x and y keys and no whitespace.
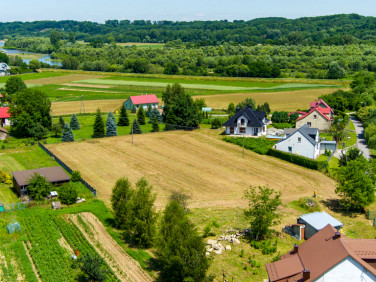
{"x":4,"y":116}
{"x":141,"y":100}
{"x":320,"y":103}
{"x":318,"y":117}
{"x":327,"y":256}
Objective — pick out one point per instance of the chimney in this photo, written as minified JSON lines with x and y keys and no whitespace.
{"x":296,"y":248}
{"x":337,"y":235}
{"x":306,"y":274}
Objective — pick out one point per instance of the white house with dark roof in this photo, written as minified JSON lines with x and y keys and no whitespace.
{"x":304,"y":141}
{"x":248,"y":122}
{"x":4,"y":69}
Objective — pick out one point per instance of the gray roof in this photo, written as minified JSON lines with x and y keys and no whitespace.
{"x":307,"y":132}
{"x":319,"y":220}
{"x":52,"y":174}
{"x":255,"y":118}
{"x":4,"y":67}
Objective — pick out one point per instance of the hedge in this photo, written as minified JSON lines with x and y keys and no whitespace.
{"x":299,"y":160}
{"x":283,"y":125}
{"x":258,"y":145}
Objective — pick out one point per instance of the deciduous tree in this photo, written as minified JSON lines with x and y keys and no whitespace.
{"x":38,"y":187}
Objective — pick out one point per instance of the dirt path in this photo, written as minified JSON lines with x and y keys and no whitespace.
{"x":31,"y":261}
{"x":121,"y":263}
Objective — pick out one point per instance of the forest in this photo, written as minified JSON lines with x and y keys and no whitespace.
{"x":325,"y":30}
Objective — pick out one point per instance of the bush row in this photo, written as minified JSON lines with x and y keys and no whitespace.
{"x":258,"y":145}
{"x":299,"y":160}
{"x":283,"y":125}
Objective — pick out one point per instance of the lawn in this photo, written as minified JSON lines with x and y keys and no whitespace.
{"x":197,"y":163}
{"x":34,"y":76}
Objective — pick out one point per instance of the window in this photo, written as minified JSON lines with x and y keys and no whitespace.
{"x":309,"y":124}
{"x":299,"y":140}
{"x":242,"y":130}
{"x":314,"y":116}
{"x":290,"y":149}
{"x":231,"y":130}
{"x":242,"y":121}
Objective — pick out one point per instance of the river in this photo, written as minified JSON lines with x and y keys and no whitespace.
{"x":45,"y":58}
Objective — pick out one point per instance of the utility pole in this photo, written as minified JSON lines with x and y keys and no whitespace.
{"x":132,"y":132}
{"x":243,"y":145}
{"x":82,"y":105}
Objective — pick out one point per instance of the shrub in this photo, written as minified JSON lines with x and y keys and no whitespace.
{"x":267,"y":247}
{"x":299,"y":160}
{"x":258,"y":145}
{"x":68,"y":194}
{"x":282,"y":125}
{"x":216,"y":123}
{"x":76,"y":176}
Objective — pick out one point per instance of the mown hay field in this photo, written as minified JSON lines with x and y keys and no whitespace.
{"x":212,"y":172}
{"x":91,"y":106}
{"x":278,"y":101}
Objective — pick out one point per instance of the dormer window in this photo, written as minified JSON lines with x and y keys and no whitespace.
{"x":314,"y":116}
{"x":242,"y":121}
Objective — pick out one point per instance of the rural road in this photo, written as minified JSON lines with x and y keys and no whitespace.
{"x":360,"y":140}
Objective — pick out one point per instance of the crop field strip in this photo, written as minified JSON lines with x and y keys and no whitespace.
{"x":43,"y":231}
{"x":207,"y":169}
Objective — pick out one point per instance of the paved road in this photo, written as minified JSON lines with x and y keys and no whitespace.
{"x":361,"y":141}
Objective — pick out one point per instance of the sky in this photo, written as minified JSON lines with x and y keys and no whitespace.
{"x":101,"y":10}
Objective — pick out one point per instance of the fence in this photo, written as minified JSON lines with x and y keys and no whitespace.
{"x":371,"y":214}
{"x":12,"y":207}
{"x":67,"y":168}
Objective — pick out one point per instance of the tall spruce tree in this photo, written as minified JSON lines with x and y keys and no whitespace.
{"x":98,"y":130}
{"x":123,"y":119}
{"x":67,"y":134}
{"x":155,"y":125}
{"x":136,"y":127}
{"x":61,"y":122}
{"x":148,"y":111}
{"x":111,"y":129}
{"x":134,"y":109}
{"x":141,"y":115}
{"x":180,"y":249}
{"x":74,"y":124}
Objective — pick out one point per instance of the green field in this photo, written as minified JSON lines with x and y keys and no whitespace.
{"x":29,"y":76}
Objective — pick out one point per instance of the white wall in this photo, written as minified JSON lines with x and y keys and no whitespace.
{"x":348,"y":270}
{"x":304,"y":148}
{"x":248,"y":130}
{"x":7,"y":122}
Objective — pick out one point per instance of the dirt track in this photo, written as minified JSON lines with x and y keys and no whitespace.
{"x":126,"y":268}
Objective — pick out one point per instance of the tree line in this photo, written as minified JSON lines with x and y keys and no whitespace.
{"x":329,"y":30}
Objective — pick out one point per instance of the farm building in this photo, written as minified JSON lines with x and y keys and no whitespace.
{"x":141,"y":100}
{"x":4,"y":69}
{"x":303,"y":141}
{"x":316,"y":221}
{"x":55,"y":175}
{"x":327,"y":256}
{"x":4,"y":116}
{"x":248,"y":122}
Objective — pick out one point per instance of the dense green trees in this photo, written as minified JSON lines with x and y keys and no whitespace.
{"x":356,"y":182}
{"x":247,"y":102}
{"x":93,"y":267}
{"x":263,"y":203}
{"x":38,"y":187}
{"x":29,"y":107}
{"x":134,"y":210}
{"x":180,"y":250}
{"x":98,"y":130}
{"x":4,"y":58}
{"x":14,"y":84}
{"x":280,"y":117}
{"x":335,"y":71}
{"x":67,"y":194}
{"x":179,"y":108}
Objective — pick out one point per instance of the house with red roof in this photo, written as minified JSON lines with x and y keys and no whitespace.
{"x":141,"y":100}
{"x":319,"y":116}
{"x":327,"y":256}
{"x":4,"y":116}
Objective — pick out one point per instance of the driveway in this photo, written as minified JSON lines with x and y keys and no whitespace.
{"x":361,"y":141}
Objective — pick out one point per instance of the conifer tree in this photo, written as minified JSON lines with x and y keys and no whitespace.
{"x":67,"y":134}
{"x":98,"y":130}
{"x":136,"y":127}
{"x":111,"y":129}
{"x":134,"y":110}
{"x":155,"y":125}
{"x":180,"y":249}
{"x":61,"y":122}
{"x":141,"y":115}
{"x":123,"y":119}
{"x":148,"y":111}
{"x":74,"y":124}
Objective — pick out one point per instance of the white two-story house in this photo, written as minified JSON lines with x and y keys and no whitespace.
{"x":248,"y":122}
{"x":304,"y":141}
